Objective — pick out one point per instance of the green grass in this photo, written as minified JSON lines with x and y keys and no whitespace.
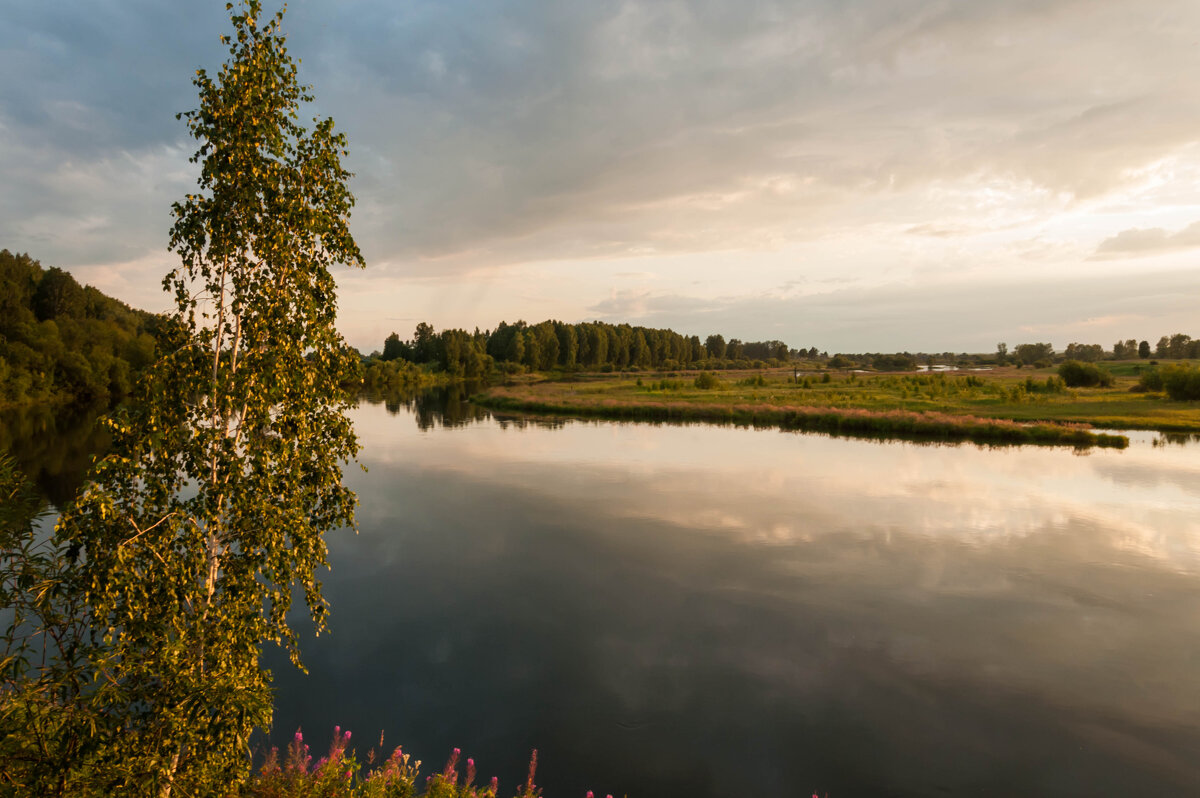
{"x":1001,"y":406}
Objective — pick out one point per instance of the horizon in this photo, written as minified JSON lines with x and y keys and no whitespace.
{"x":839,"y":177}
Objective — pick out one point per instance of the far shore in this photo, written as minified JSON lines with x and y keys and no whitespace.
{"x":1005,"y":405}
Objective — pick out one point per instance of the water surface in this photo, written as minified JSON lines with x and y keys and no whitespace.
{"x":698,"y":610}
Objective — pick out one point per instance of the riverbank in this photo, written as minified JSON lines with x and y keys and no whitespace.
{"x":1005,"y":406}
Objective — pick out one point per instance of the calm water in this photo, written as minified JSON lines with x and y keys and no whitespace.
{"x":711,"y":611}
{"x":670,"y":611}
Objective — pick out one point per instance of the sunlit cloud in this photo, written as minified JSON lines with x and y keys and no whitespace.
{"x":730,"y":148}
{"x":1136,"y":242}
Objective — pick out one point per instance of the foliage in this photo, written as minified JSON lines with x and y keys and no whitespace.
{"x":1088,"y":353}
{"x":63,"y":342}
{"x":706,"y":381}
{"x":1182,"y":383}
{"x":1049,"y":385}
{"x":1084,"y":375}
{"x":225,"y":476}
{"x":554,"y":345}
{"x":1030,"y":354}
{"x":840,"y":361}
{"x":898,"y":362}
{"x":44,"y":728}
{"x":1150,"y":380}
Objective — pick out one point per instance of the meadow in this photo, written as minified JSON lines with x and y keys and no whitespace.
{"x":1002,"y":405}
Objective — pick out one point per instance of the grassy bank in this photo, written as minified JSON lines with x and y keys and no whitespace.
{"x":1001,"y":406}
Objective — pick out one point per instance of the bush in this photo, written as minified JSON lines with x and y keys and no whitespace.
{"x":1051,"y":385}
{"x":1151,"y":380}
{"x":840,"y":361}
{"x":1182,"y":383}
{"x":1084,"y":375}
{"x":706,"y":381}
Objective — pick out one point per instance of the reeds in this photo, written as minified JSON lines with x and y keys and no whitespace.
{"x":834,"y":420}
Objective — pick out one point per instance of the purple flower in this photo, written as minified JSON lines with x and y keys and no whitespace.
{"x":347,"y":734}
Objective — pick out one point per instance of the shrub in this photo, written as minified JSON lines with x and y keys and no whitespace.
{"x":840,"y":361}
{"x":1150,"y":380}
{"x":706,"y":381}
{"x":1182,"y":383}
{"x":1084,"y":375}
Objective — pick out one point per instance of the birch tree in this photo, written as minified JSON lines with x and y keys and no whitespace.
{"x":213,"y":510}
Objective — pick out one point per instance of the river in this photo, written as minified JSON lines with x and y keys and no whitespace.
{"x":718,"y":611}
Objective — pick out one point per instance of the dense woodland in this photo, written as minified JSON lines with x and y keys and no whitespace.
{"x":555,"y":345}
{"x":63,"y":342}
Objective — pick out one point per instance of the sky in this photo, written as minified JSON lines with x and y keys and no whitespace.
{"x":855,"y":175}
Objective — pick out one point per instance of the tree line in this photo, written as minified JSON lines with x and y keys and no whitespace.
{"x":1178,"y":346}
{"x":554,"y":344}
{"x":60,"y":341}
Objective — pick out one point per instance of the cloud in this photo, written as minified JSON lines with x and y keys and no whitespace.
{"x":957,"y":316}
{"x":1139,"y":242}
{"x":486,"y":136}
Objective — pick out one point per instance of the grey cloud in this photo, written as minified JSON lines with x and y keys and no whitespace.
{"x":1137,"y":242}
{"x":628,"y":304}
{"x":560,"y":130}
{"x":489,"y":133}
{"x":936,"y":317}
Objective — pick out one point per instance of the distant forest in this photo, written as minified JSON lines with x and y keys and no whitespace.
{"x":63,"y":342}
{"x":551,"y":345}
{"x":600,"y":346}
